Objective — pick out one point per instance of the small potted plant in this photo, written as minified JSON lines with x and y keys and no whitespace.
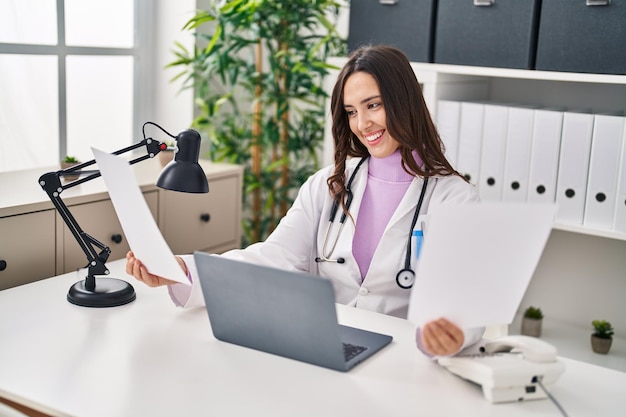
{"x":67,"y":162}
{"x":602,"y":336}
{"x":532,"y":321}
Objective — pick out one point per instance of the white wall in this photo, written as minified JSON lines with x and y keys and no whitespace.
{"x":580,"y":278}
{"x":171,"y":108}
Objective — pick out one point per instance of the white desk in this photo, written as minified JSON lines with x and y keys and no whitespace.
{"x":149,"y":358}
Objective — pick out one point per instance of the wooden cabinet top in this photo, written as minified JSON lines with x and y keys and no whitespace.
{"x":21,"y":193}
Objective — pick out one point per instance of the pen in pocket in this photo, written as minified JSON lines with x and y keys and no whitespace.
{"x":418,"y":240}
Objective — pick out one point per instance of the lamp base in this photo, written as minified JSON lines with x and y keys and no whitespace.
{"x":109,"y":292}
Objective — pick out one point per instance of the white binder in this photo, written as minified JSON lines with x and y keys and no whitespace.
{"x":619,"y":225}
{"x":495,"y":121}
{"x":448,"y":118}
{"x":470,"y":140}
{"x":544,"y":156}
{"x":606,"y":149}
{"x":517,"y":157}
{"x":573,"y":167}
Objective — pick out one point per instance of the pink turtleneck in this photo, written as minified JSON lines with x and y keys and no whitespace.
{"x":386,"y":184}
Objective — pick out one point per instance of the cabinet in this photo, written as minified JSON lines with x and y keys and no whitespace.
{"x":201,"y":221}
{"x":98,"y":219}
{"x":35,"y":243}
{"x":26,"y":257}
{"x":582,"y":273}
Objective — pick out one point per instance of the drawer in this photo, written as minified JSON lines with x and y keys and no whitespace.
{"x":99,"y":220}
{"x":27,"y":248}
{"x":202,"y":221}
{"x":407,"y":25}
{"x":576,"y":37}
{"x":490,"y":33}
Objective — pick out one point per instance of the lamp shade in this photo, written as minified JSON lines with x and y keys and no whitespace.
{"x":184,"y":173}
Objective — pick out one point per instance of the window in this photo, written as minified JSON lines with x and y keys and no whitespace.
{"x":69,"y":78}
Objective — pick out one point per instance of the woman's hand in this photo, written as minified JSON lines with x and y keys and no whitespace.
{"x":135,"y":268}
{"x":441,"y":337}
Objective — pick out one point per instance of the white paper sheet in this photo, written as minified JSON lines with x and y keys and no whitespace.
{"x":143,"y":234}
{"x":477,"y":261}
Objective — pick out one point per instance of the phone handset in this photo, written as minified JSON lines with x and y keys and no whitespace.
{"x":533,"y":349}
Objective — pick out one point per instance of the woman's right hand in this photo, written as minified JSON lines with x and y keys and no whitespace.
{"x":135,"y":268}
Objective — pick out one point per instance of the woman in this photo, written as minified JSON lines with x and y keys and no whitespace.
{"x":389,"y":173}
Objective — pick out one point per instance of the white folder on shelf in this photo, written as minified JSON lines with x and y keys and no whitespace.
{"x":604,"y":164}
{"x":544,"y":157}
{"x":448,"y":118}
{"x":619,"y":224}
{"x":495,"y":121}
{"x":470,"y":140}
{"x":571,"y":180}
{"x":517,"y":155}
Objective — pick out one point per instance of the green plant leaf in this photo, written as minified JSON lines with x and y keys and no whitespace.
{"x":296,"y":38}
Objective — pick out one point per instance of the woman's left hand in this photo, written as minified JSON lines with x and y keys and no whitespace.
{"x":441,"y":337}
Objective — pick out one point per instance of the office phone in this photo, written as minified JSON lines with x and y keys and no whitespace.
{"x":509,"y":368}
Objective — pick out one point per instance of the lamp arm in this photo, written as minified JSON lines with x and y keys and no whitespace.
{"x":153,"y":147}
{"x":51,"y":183}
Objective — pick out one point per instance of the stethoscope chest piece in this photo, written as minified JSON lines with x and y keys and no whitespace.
{"x":405,"y":278}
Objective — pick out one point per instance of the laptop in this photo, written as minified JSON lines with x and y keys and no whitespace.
{"x":290,"y":314}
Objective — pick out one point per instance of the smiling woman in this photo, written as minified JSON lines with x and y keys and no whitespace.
{"x":368,"y":120}
{"x":389,"y":170}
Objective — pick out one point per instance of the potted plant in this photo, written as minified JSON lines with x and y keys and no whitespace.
{"x":532,"y":321}
{"x":257,"y":72}
{"x":602,"y":336}
{"x":67,"y":162}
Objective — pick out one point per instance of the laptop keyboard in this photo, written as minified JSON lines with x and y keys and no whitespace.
{"x":350,"y":351}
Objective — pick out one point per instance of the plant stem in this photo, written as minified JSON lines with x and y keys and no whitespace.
{"x":284,"y":132}
{"x":256,"y":148}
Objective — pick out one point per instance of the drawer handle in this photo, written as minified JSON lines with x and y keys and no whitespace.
{"x":484,"y":3}
{"x":205,"y":217}
{"x":117,"y":238}
{"x":388,"y":2}
{"x":3,"y":264}
{"x":598,"y":2}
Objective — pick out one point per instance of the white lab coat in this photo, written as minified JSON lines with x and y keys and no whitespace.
{"x":299,"y":238}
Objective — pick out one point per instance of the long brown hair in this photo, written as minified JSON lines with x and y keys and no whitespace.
{"x":408,"y":118}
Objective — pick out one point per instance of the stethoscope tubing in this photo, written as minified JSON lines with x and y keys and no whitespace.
{"x":326,"y":256}
{"x":407,"y":259}
{"x":406,"y":276}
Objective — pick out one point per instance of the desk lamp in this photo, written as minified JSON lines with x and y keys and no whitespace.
{"x":182,"y":174}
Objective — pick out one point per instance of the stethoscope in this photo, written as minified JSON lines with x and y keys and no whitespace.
{"x":406,"y":276}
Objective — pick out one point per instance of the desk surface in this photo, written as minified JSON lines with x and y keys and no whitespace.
{"x":149,"y":358}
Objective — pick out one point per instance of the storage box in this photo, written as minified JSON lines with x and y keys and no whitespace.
{"x":405,"y":24}
{"x":577,"y":37}
{"x":490,"y":33}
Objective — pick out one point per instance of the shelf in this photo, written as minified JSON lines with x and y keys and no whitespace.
{"x":600,"y":92}
{"x":588,"y":231}
{"x":519,"y":73}
{"x":424,"y":69}
{"x":573,"y":342}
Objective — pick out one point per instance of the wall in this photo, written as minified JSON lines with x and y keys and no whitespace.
{"x":580,"y":278}
{"x":171,"y":108}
